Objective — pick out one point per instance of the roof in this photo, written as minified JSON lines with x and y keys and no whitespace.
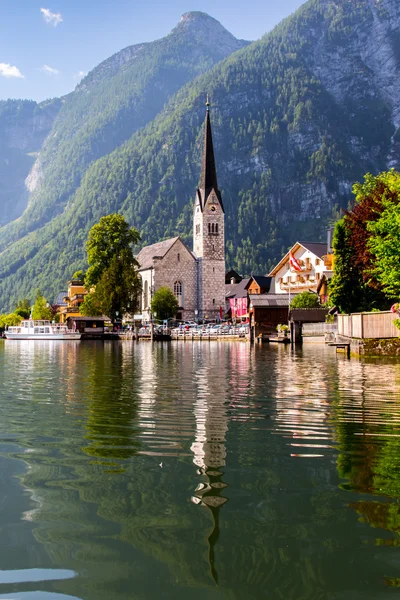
{"x":102,"y":318}
{"x":146,"y":255}
{"x":309,"y":315}
{"x":317,"y":248}
{"x":265,"y":300}
{"x":59,"y":301}
{"x":263,"y":282}
{"x":320,"y":249}
{"x":208,"y":176}
{"x":236,"y":290}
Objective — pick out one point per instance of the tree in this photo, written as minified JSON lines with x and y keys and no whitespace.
{"x":164,"y":303}
{"x":90,"y":307}
{"x":23,"y":308}
{"x":345,"y":284}
{"x":113,"y":268}
{"x":111,"y":237}
{"x":40,"y":310}
{"x":10,"y":320}
{"x":384,"y":246}
{"x":305,"y":300}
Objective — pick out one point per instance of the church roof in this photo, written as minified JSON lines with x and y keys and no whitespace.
{"x":160,"y":249}
{"x":208,"y":176}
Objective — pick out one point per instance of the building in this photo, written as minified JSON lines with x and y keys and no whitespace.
{"x":197,"y":278}
{"x":267,"y":311}
{"x":311,"y":261}
{"x":73,"y":300}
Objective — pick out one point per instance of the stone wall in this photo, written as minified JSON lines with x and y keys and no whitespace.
{"x":372,"y":347}
{"x":178,"y":265}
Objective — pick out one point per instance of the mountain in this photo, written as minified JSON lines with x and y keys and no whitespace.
{"x":24,"y":125}
{"x":121,"y":95}
{"x":297,"y":117}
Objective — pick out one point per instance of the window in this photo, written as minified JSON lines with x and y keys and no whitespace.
{"x":209,"y":228}
{"x":179,"y":257}
{"x":213,"y":270}
{"x":216,"y":227}
{"x":213,"y":247}
{"x":317,"y":261}
{"x":213,"y":300}
{"x":178,"y":292}
{"x":212,"y":228}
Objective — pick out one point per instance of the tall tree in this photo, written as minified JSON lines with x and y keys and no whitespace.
{"x":112,"y":267}
{"x":345,"y":285}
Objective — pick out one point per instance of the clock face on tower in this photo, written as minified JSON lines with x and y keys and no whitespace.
{"x":213,"y":208}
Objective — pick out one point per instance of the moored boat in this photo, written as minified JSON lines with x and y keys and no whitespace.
{"x":41,"y":330}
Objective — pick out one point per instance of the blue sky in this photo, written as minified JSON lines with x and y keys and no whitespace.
{"x":45,"y":47}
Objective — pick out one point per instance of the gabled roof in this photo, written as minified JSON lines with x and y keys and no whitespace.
{"x":236,"y":290}
{"x":160,"y":249}
{"x":317,"y":248}
{"x":320,"y":249}
{"x":261,"y":280}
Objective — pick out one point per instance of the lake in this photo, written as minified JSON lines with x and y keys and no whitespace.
{"x":197,"y":470}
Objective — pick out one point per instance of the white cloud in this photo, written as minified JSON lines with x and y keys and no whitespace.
{"x":79,"y":75}
{"x":49,"y":70}
{"x":7,"y":70}
{"x":50,"y":17}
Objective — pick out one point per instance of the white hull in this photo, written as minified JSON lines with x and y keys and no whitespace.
{"x":43,"y":336}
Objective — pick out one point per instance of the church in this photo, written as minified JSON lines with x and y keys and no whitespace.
{"x":196,"y":277}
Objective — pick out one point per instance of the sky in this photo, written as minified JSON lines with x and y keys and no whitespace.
{"x":47,"y":46}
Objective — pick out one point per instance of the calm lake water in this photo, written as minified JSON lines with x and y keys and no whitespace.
{"x":197,"y":470}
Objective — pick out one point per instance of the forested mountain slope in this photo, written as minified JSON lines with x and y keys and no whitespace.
{"x":297,"y":117}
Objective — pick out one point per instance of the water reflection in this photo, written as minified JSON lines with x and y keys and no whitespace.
{"x":169,"y":469}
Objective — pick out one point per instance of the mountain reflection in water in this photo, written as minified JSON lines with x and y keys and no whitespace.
{"x":199,"y":469}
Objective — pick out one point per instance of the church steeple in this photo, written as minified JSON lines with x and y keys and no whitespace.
{"x":208,"y":177}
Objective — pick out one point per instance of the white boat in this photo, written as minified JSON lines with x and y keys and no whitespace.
{"x":41,"y":330}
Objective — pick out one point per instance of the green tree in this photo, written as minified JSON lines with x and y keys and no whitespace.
{"x":383,"y":243}
{"x":78,"y":275}
{"x":109,"y":239}
{"x":346,"y":280}
{"x":90,"y":306}
{"x":164,"y":303}
{"x":305,"y":300}
{"x":113,"y":268}
{"x":23,"y":308}
{"x":40,"y":310}
{"x":9,"y":320}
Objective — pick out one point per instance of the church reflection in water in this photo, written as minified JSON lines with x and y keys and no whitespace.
{"x":209,"y":450}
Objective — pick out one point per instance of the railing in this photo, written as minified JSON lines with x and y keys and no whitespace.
{"x":368,"y":325}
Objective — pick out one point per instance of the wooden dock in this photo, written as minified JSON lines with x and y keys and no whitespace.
{"x":341,"y":346}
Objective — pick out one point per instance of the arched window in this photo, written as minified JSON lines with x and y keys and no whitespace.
{"x":209,"y":228}
{"x":212,"y":228}
{"x":179,"y":257}
{"x":146,"y":295}
{"x":178,"y":292}
{"x":216,"y":227}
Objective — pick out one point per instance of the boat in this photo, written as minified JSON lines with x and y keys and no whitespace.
{"x":41,"y":330}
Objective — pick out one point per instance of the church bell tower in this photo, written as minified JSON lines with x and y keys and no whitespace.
{"x":209,"y":234}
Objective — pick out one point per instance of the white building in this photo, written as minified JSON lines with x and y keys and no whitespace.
{"x":313,"y":260}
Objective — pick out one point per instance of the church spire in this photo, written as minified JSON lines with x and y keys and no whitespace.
{"x":208,"y":177}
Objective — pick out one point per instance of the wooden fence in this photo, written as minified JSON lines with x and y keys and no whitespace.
{"x":368,"y":325}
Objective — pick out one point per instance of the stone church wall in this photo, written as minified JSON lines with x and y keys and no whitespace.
{"x":178,"y":265}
